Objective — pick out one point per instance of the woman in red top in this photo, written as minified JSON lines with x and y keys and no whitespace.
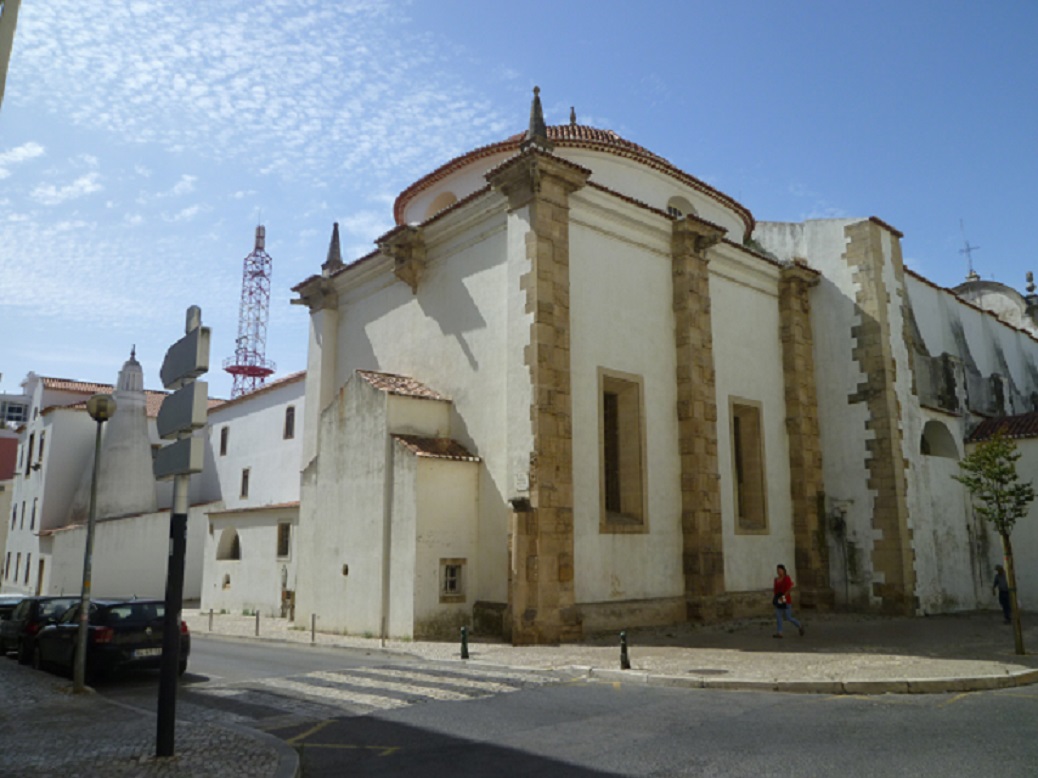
{"x":782,"y":602}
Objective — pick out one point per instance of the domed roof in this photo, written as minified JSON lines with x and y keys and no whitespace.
{"x":575,"y":136}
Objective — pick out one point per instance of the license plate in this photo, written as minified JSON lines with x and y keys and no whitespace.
{"x":140,"y":653}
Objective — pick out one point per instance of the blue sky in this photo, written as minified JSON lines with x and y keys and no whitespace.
{"x":140,"y":146}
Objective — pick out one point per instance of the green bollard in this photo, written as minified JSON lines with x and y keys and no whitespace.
{"x":625,"y":663}
{"x":464,"y":642}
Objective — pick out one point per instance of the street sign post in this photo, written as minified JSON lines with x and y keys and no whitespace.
{"x":181,"y":414}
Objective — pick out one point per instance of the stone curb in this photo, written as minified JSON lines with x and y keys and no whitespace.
{"x":907,"y":686}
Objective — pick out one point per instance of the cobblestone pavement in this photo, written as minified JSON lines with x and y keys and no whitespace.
{"x":46,"y":730}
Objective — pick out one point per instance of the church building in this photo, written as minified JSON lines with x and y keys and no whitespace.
{"x":578,"y":389}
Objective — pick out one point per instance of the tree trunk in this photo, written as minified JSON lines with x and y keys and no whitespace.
{"x":1018,"y":630}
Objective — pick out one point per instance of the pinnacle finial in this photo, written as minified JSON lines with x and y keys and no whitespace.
{"x":1030,"y":282}
{"x":133,"y":352}
{"x":537,"y":132}
{"x":334,"y":260}
{"x":572,"y":115}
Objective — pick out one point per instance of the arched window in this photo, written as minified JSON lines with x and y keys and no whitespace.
{"x":230,"y":545}
{"x":441,"y":201}
{"x":679,"y":206}
{"x":938,"y":441}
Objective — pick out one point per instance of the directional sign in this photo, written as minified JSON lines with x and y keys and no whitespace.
{"x":184,"y":410}
{"x":186,"y":359}
{"x":183,"y":457}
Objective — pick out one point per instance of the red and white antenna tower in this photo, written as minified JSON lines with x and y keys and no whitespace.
{"x":249,"y":365}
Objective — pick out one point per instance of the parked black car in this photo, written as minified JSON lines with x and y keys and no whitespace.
{"x":18,"y":633}
{"x":122,"y":634}
{"x":8,"y":602}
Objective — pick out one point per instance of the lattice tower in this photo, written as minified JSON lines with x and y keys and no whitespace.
{"x":249,"y":365}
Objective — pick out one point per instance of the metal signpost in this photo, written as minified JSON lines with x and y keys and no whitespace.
{"x":181,"y":414}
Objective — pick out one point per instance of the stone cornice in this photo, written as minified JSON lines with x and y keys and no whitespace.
{"x":693,"y":235}
{"x":523,"y":176}
{"x":317,"y":293}
{"x":406,"y":245}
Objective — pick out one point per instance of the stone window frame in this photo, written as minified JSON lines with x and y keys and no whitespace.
{"x":452,"y":587}
{"x":289,"y":429}
{"x":284,"y":533}
{"x":225,"y":434}
{"x":765,"y":526}
{"x":616,"y":522}
{"x":245,"y":473}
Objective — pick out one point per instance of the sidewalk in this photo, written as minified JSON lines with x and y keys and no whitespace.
{"x":47,"y":731}
{"x":840,"y":653}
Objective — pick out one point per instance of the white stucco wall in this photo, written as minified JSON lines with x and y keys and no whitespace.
{"x":255,"y":578}
{"x":748,"y":367}
{"x":453,"y":337}
{"x":621,"y":320}
{"x":130,"y":557}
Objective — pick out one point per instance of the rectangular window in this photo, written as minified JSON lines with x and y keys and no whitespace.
{"x":225,"y":433}
{"x":748,"y":467}
{"x":32,"y":521}
{"x":290,"y":422}
{"x":17,"y":564}
{"x":21,"y":524}
{"x":7,"y":565}
{"x":39,"y":456}
{"x":28,"y":459}
{"x":284,"y":538}
{"x":28,"y":567}
{"x":622,"y":453}
{"x":14,"y":516}
{"x":452,"y":580}
{"x":245,"y":482}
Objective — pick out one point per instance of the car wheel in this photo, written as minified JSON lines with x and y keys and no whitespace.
{"x":37,"y":659}
{"x":24,"y":653}
{"x":182,"y":667}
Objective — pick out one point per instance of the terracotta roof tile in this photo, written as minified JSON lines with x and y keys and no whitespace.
{"x":438,"y":448}
{"x":573,"y":136}
{"x":70,"y":385}
{"x":270,"y":386}
{"x":1024,"y":425}
{"x":399,"y":384}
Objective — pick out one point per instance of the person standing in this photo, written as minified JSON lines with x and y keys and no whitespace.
{"x":782,"y":602}
{"x":1001,"y":588}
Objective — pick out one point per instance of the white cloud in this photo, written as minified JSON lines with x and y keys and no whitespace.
{"x":48,"y":194}
{"x":184,"y":214}
{"x":185,"y":185}
{"x":17,"y":155}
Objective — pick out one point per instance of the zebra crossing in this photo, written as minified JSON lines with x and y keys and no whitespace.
{"x":321,"y":694}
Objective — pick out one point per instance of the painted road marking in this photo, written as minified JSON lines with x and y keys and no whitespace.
{"x":430,"y":678}
{"x":390,"y":686}
{"x":339,"y":694}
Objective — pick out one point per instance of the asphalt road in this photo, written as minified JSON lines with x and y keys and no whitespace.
{"x":325,"y":702}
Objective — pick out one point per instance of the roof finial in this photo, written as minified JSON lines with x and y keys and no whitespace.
{"x":133,"y":352}
{"x":334,"y":260}
{"x":572,"y":115}
{"x":1030,"y":282}
{"x":537,"y":133}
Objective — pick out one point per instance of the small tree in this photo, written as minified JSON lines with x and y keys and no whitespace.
{"x":989,"y":472}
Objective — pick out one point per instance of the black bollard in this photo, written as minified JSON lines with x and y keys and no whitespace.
{"x":625,"y":663}
{"x":464,"y":642}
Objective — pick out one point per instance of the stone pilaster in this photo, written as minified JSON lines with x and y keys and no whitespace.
{"x":805,"y":443}
{"x":702,"y":544}
{"x":893,"y":562}
{"x":541,"y":597}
